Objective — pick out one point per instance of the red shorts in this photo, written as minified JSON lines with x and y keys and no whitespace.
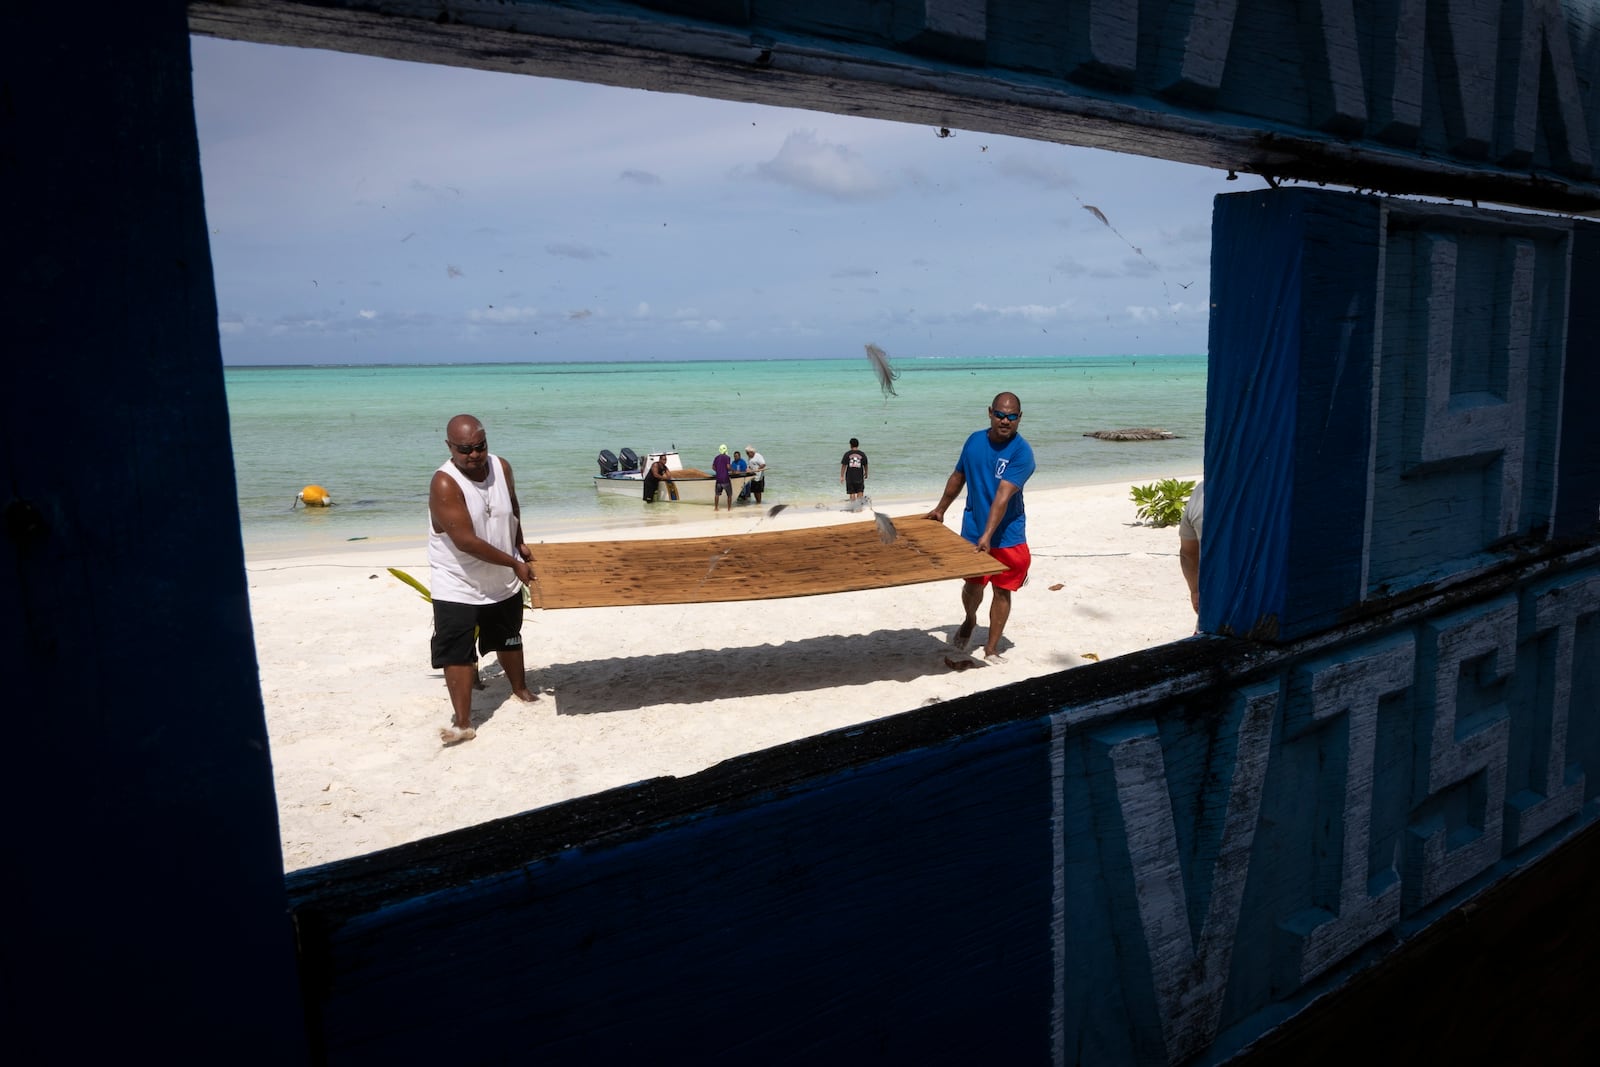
{"x":1017,"y":560}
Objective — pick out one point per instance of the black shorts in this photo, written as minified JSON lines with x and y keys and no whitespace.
{"x":855,"y":482}
{"x":723,"y":487}
{"x":498,"y":628}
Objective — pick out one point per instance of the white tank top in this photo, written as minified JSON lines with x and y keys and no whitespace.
{"x":462,"y":579}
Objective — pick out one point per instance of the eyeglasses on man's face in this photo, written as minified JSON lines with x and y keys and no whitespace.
{"x":1006,"y":416}
{"x":467,"y":450}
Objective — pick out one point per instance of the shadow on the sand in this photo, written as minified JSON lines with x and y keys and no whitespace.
{"x":627,"y":683}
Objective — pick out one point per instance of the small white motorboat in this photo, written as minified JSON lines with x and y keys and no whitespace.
{"x":623,"y":475}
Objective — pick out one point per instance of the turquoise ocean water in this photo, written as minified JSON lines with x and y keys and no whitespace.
{"x":372,"y":434}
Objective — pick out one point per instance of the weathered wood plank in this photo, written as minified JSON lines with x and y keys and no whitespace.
{"x":580,"y":956}
{"x":1406,"y":368}
{"x":1243,"y":87}
{"x":143,"y":871}
{"x":754,"y":566}
{"x":1215,"y":859}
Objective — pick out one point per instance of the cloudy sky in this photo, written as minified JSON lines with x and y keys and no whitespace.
{"x":364,"y":210}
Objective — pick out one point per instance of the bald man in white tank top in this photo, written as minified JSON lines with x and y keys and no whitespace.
{"x":479,"y":566}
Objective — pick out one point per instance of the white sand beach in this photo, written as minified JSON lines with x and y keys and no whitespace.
{"x":354,"y":709}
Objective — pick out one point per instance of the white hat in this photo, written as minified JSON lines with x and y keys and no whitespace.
{"x":722,"y":450}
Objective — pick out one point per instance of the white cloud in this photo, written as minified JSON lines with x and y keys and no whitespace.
{"x":1031,"y":312}
{"x":1194,"y":234}
{"x":1146,"y":313}
{"x":763,"y":212}
{"x":511,"y":314}
{"x":442,"y":192}
{"x":805,"y":162}
{"x":291,"y":325}
{"x":1031,"y":171}
{"x":574,"y":251}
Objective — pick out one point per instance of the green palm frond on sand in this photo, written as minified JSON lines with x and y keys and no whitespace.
{"x":412,"y":582}
{"x":527,"y":594}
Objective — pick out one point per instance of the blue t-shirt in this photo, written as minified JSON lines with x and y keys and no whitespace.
{"x":985,"y":466}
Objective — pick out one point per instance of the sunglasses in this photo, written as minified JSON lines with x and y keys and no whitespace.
{"x":467,"y":450}
{"x":1006,"y":416}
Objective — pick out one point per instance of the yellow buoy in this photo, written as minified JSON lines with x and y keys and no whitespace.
{"x":314,"y":496}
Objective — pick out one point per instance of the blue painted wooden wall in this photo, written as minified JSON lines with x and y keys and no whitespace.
{"x":144,"y":900}
{"x":1148,"y":875}
{"x":1155,"y":859}
{"x":1390,"y":402}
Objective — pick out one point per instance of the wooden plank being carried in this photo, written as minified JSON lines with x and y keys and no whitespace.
{"x":751,"y":566}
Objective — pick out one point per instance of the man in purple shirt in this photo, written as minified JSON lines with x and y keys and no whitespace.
{"x":721,"y":466}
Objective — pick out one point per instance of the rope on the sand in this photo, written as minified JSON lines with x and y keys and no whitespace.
{"x":308,"y":566}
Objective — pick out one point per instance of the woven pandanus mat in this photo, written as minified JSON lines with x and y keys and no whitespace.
{"x":752,"y":566}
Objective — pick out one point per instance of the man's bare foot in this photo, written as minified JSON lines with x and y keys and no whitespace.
{"x":527,"y":696}
{"x":962,"y":637}
{"x":993,"y":657}
{"x":454,"y":735}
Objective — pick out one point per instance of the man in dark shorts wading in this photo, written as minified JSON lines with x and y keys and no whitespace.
{"x":479,"y":566}
{"x":994,"y":465}
{"x":853,"y":471}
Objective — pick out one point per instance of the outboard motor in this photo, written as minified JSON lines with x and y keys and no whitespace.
{"x":629,"y":459}
{"x":607,"y":461}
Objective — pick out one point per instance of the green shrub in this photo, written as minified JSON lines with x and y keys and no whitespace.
{"x":1161,"y":503}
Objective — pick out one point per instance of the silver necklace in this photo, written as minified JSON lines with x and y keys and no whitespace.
{"x":483,"y":492}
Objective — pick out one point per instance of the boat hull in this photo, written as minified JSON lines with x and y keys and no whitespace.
{"x":693,"y":489}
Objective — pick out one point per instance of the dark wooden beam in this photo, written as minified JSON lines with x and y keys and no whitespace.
{"x":634,"y":46}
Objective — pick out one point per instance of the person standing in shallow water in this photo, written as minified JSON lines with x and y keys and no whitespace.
{"x":722,"y":468}
{"x":758,"y":470}
{"x":853,"y":471}
{"x":479,"y":566}
{"x":655,"y":476}
{"x":993,"y":467}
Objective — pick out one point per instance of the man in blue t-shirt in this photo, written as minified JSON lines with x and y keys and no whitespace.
{"x":994,"y":465}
